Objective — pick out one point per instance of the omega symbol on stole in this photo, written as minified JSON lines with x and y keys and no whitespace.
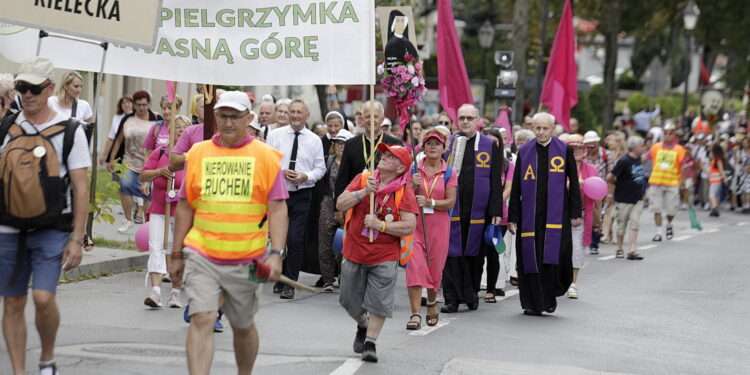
{"x":557,"y":163}
{"x":484,"y":160}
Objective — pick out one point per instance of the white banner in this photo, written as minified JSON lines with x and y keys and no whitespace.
{"x":230,"y":42}
{"x":132,"y":22}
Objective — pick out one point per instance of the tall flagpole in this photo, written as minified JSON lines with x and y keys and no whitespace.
{"x":416,"y":168}
{"x":170,"y":180}
{"x":372,"y":152}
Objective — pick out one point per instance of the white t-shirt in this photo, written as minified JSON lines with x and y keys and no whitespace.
{"x":116,"y":119}
{"x":83,"y":111}
{"x":79,"y":155}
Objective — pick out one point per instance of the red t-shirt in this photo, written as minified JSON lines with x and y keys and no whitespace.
{"x":357,"y":247}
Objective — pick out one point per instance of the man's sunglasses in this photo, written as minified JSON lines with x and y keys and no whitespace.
{"x":35,"y":89}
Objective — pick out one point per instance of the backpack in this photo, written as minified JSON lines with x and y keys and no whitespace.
{"x":406,"y":245}
{"x":32,"y":193}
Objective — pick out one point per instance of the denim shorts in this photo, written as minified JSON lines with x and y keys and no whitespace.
{"x":129,"y":185}
{"x":42,"y":262}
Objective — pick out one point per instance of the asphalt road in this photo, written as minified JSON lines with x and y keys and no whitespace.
{"x":682,"y":310}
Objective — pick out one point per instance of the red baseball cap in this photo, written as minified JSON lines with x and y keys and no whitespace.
{"x":398,"y":151}
{"x":434,"y":134}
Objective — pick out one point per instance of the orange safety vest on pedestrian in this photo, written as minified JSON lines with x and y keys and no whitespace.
{"x":406,"y":245}
{"x":702,"y":126}
{"x":666,"y":165}
{"x":714,"y":175}
{"x":228,"y":188}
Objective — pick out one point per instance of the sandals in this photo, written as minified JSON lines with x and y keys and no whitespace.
{"x":138,"y":220}
{"x":432,"y":319}
{"x":620,"y":253}
{"x":413,"y":325}
{"x":514,"y":281}
{"x":634,"y":256}
{"x":489,"y":297}
{"x":88,"y":243}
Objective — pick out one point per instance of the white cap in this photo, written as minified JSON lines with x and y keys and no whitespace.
{"x":35,"y":70}
{"x":254,"y":123}
{"x":234,"y":99}
{"x":591,"y":136}
{"x":386,"y":122}
{"x":342,"y":135}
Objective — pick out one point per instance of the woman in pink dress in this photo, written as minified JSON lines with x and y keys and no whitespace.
{"x":436,"y":195}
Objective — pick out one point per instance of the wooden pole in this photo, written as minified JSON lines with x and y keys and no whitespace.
{"x":372,"y":152}
{"x":416,"y":168}
{"x":209,"y":121}
{"x":170,"y":181}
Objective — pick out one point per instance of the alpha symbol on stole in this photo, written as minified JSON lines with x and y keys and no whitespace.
{"x":557,"y":163}
{"x":529,"y":172}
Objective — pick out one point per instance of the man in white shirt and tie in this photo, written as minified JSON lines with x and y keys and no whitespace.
{"x":303,"y":164}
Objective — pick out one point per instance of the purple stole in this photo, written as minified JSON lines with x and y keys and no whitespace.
{"x":555,"y":197}
{"x":482,"y":160}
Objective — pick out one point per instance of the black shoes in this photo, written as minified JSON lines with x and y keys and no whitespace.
{"x":287,"y":293}
{"x":532,"y":312}
{"x":472,"y":305}
{"x":359,"y":340}
{"x":714,"y":212}
{"x":278,"y":288}
{"x":449,"y":309}
{"x":670,"y":232}
{"x":369,"y":354}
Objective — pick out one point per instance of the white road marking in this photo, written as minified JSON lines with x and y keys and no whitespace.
{"x":743,"y":223}
{"x":712,"y":230}
{"x":608,"y":257}
{"x":681,"y":238}
{"x":646,"y":247}
{"x":349,"y":367}
{"x":508,"y":294}
{"x":426,"y":330}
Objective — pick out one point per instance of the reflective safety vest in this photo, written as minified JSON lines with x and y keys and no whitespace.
{"x":406,"y":244}
{"x":228,"y":190}
{"x":702,"y":126}
{"x":666,"y":165}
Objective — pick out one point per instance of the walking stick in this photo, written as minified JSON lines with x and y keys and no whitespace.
{"x":421,"y":209}
{"x":372,"y":152}
{"x":171,"y":88}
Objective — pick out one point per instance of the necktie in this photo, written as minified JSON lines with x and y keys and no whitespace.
{"x":293,"y":157}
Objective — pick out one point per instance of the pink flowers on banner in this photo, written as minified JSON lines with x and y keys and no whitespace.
{"x":405,"y":83}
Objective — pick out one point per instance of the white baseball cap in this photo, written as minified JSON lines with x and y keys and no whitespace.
{"x":234,"y":99}
{"x":35,"y":70}
{"x":591,"y":136}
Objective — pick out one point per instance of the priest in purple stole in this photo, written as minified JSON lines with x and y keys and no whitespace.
{"x":545,"y":202}
{"x":479,"y":203}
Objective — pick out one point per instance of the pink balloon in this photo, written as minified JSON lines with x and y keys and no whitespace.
{"x":141,"y":237}
{"x":595,"y":187}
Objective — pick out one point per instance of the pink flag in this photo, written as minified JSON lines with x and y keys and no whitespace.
{"x":503,"y":121}
{"x":560,"y":90}
{"x":453,"y":81}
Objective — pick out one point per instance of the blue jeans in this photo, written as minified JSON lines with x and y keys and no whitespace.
{"x":41,"y":262}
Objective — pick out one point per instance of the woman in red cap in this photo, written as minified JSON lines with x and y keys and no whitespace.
{"x":437,"y":195}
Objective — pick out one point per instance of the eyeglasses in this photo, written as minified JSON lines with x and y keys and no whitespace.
{"x":75,"y":73}
{"x":22,"y":88}
{"x":234,"y":119}
{"x":467,"y":118}
{"x":142,"y":105}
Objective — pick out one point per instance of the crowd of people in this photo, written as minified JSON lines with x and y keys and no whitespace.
{"x":463,"y":206}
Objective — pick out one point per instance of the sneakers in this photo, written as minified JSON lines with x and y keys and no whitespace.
{"x":174,"y":301}
{"x":670,"y":232}
{"x":328,"y":288}
{"x":594,"y":250}
{"x":359,"y":340}
{"x":218,"y":327}
{"x":657,"y":238}
{"x":714,"y":212}
{"x":369,"y":354}
{"x":125,"y":226}
{"x":573,"y":291}
{"x":153,"y":300}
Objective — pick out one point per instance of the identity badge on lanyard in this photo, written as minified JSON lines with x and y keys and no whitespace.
{"x":428,"y":194}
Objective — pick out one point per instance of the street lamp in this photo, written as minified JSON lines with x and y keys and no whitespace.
{"x":690,"y":19}
{"x":486,"y":34}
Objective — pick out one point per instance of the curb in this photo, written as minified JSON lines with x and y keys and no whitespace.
{"x":108,"y":266}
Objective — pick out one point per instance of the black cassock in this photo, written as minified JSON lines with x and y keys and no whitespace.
{"x":538,"y":291}
{"x":397,"y":48}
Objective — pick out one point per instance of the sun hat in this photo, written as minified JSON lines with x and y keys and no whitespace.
{"x":575,"y":140}
{"x":343,"y":135}
{"x":591,"y":136}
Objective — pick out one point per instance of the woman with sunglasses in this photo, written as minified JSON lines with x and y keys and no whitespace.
{"x":66,"y":99}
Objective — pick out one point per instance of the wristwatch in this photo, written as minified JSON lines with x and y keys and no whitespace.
{"x":280,"y":253}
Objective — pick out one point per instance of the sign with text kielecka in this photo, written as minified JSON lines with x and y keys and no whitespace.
{"x":231,"y":42}
{"x":133,"y":22}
